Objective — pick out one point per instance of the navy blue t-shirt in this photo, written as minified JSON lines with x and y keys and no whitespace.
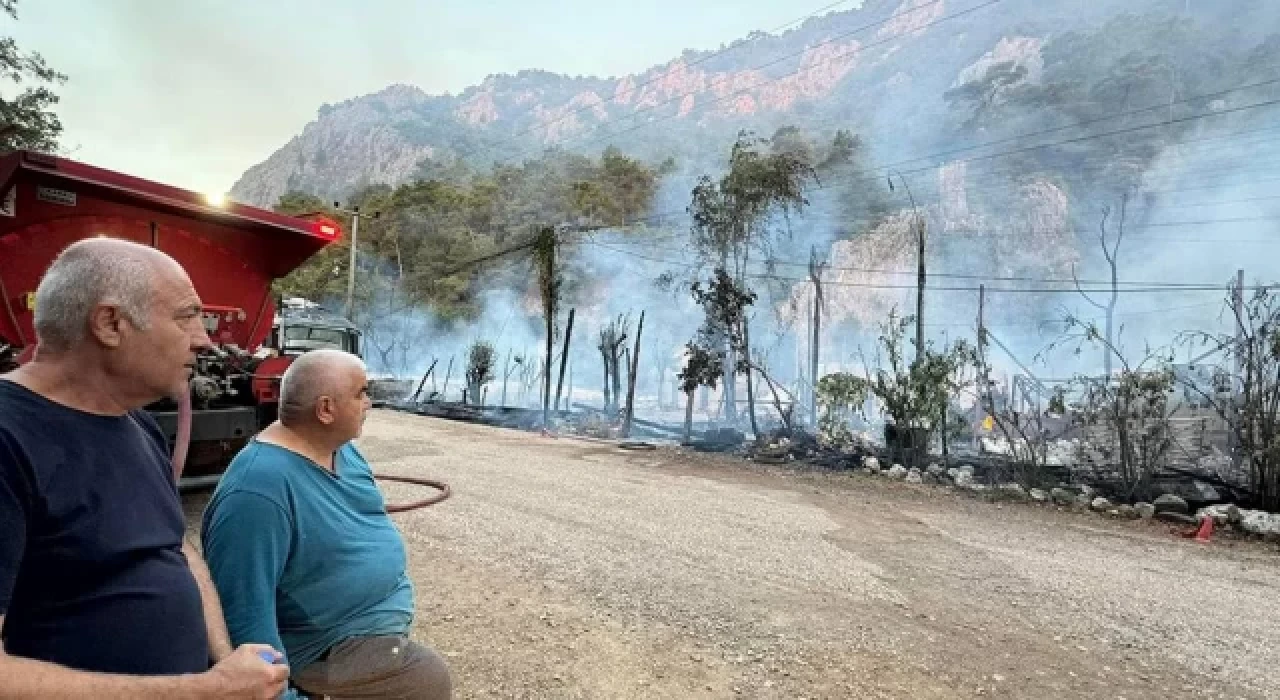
{"x":92,"y":573}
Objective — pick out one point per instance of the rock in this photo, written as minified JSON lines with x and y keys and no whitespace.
{"x":1233,"y":514}
{"x":1100,"y":504}
{"x":1086,"y":491}
{"x":1179,"y":518}
{"x":914,"y":477}
{"x":935,"y":469}
{"x":1221,"y":513}
{"x":871,"y":464}
{"x":897,"y":472}
{"x":963,"y":480}
{"x":1014,"y":491}
{"x":1038,"y":495}
{"x":1127,"y":512}
{"x":1083,"y":502}
{"x":966,"y":468}
{"x":1169,"y":503}
{"x":1062,"y":497}
{"x":1146,"y":511}
{"x":1258,"y":522}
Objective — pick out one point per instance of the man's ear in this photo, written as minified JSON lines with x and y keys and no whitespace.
{"x":106,"y":324}
{"x":325,"y":410}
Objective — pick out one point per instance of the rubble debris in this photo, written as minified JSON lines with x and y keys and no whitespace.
{"x":1177,"y":518}
{"x":1169,"y":503}
{"x":1062,"y":497}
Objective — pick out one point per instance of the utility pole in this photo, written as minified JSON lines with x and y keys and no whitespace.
{"x":355,"y":214}
{"x":917,"y":224}
{"x":1237,"y":302}
{"x":985,"y":391}
{"x":815,"y":274}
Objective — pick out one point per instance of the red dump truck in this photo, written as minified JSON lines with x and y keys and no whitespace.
{"x":232,"y":252}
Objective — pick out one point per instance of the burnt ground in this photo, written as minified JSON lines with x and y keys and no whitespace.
{"x":570,"y":568}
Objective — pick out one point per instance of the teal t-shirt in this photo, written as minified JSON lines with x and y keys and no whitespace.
{"x":303,"y":558}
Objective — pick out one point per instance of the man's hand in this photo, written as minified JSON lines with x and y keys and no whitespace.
{"x":244,"y":675}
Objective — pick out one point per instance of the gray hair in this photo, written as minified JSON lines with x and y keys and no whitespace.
{"x":310,"y":376}
{"x":86,"y":274}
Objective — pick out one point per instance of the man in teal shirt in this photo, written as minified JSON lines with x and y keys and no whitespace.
{"x":303,"y":553}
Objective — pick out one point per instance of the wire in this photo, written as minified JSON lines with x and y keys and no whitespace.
{"x":1154,"y":288}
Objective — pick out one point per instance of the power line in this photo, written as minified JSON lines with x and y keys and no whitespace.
{"x":1150,"y":288}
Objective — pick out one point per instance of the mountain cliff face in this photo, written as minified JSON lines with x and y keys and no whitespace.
{"x":882,"y":71}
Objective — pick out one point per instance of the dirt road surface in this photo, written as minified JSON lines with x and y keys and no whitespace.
{"x":566,"y":568}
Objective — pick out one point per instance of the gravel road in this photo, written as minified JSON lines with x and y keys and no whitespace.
{"x":567,"y":568}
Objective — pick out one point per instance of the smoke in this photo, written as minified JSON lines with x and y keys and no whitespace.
{"x":1021,"y":220}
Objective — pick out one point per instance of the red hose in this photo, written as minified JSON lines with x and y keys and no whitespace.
{"x":183,"y":439}
{"x":440,"y":486}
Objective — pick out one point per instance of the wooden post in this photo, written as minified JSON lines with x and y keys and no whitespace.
{"x":815,"y":274}
{"x":631,"y":383}
{"x":564,"y":357}
{"x":506,"y":373}
{"x":568,"y":395}
{"x":414,"y":398}
{"x":982,"y":330}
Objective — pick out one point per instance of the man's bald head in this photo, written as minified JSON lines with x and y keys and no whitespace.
{"x":94,"y":272}
{"x":315,"y":375}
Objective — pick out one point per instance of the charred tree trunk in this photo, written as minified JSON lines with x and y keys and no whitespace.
{"x":751,"y":394}
{"x":564,"y":357}
{"x":688,"y":416}
{"x":631,"y":383}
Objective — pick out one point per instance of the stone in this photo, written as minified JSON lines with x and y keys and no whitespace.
{"x":966,"y":468}
{"x":963,"y":480}
{"x":897,"y":472}
{"x":1221,"y":513}
{"x":1062,"y":497}
{"x":1015,"y":491}
{"x":1087,"y":491}
{"x":1083,"y":502}
{"x":1169,"y":503}
{"x":1259,"y":522}
{"x":1038,"y":495}
{"x":914,"y":477}
{"x":1127,"y":512}
{"x":871,"y":464}
{"x":1100,"y":504}
{"x":1146,"y":511}
{"x":935,"y":469}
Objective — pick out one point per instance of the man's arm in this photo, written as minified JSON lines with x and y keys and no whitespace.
{"x":219,"y":639}
{"x":246,"y":542}
{"x":241,"y":676}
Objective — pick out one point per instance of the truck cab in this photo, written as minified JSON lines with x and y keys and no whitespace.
{"x":303,"y":325}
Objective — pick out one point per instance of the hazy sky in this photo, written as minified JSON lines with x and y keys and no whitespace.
{"x":193,"y":92}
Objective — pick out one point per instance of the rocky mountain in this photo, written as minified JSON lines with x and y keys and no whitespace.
{"x":892,"y":71}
